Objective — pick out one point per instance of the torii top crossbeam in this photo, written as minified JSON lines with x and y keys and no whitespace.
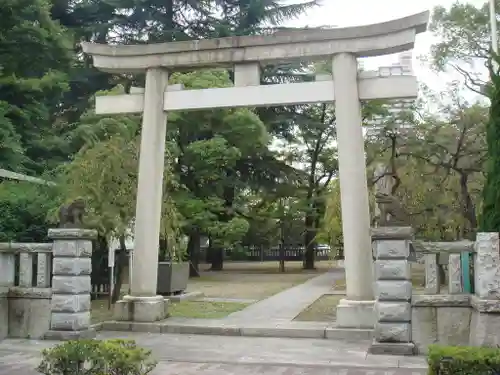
{"x":362,"y":41}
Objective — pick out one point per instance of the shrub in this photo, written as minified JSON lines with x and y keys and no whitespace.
{"x":95,"y":357}
{"x":463,"y":360}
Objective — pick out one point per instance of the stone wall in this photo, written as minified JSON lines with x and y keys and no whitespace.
{"x":441,"y":318}
{"x":25,"y":298}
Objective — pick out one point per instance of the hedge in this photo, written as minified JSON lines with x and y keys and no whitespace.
{"x":463,"y":360}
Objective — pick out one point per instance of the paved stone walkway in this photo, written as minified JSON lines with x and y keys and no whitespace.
{"x":217,"y":355}
{"x":288,"y":304}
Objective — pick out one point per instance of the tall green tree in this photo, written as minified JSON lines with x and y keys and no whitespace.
{"x":35,"y":53}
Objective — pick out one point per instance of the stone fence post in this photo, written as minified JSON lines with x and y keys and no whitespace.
{"x":485,"y":322}
{"x":71,"y":287}
{"x":393,"y":290}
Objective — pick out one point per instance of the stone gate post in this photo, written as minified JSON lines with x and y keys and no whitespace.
{"x":356,"y":310}
{"x":71,"y":287}
{"x":485,"y":322}
{"x":143,"y":304}
{"x":392,"y":334}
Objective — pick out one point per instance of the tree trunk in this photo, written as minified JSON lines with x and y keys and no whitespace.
{"x":469,"y":210}
{"x":309,"y":243}
{"x":216,"y":257}
{"x":193,"y":250}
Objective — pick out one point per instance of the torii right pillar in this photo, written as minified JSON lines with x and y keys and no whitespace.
{"x":356,"y":310}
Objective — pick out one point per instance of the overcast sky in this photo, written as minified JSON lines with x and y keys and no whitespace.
{"x":343,"y":13}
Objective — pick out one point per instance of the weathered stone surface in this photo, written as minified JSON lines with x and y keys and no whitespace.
{"x":393,"y":311}
{"x":30,"y":293}
{"x":453,"y":325}
{"x":392,"y":348}
{"x":424,"y":327}
{"x":29,"y":318}
{"x":385,"y":249}
{"x":392,"y":270}
{"x":25,"y":269}
{"x":72,"y":248}
{"x":392,"y":332}
{"x":441,"y":300}
{"x":72,"y":234}
{"x":355,"y":314}
{"x":43,"y":270}
{"x":71,"y":284}
{"x":72,"y":266}
{"x":71,"y":303}
{"x":7,"y":269}
{"x":141,"y":310}
{"x":485,"y":305}
{"x":70,"y":335}
{"x":392,"y":233}
{"x":484,"y":329}
{"x":454,"y":274}
{"x":432,"y":282}
{"x":70,"y":321}
{"x":487,"y":266}
{"x":4,"y":317}
{"x":395,"y":290}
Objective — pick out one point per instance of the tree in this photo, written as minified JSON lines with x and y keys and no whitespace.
{"x":211,"y":149}
{"x":490,"y":216}
{"x":30,"y":92}
{"x":464,"y":35}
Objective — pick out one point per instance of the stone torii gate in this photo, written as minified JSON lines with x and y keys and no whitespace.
{"x":245,"y":55}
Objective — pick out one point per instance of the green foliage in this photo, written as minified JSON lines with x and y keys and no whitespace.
{"x":463,"y":360}
{"x":490,"y":216}
{"x":95,"y":357}
{"x":34,"y":54}
{"x":24,"y":208}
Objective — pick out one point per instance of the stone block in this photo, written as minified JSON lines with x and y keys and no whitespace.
{"x":453,"y":325}
{"x":355,"y":314}
{"x":398,"y":249}
{"x":392,"y":348}
{"x":72,"y":266}
{"x":485,"y":305}
{"x":141,"y":309}
{"x":72,"y":234}
{"x":29,"y":318}
{"x":424,"y":327}
{"x":393,"y":311}
{"x":487,"y":266}
{"x":393,"y":290}
{"x":71,"y":303}
{"x":392,"y":332}
{"x":70,"y":321}
{"x":484,"y":329}
{"x":392,"y":270}
{"x":72,"y":248}
{"x":71,"y":284}
{"x":392,"y":233}
{"x":441,"y":300}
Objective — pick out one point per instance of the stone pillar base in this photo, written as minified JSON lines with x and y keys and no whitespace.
{"x":355,"y":314}
{"x":393,"y":348}
{"x":70,"y":335}
{"x":141,"y":309}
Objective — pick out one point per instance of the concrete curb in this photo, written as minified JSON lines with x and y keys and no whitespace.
{"x":284,"y":331}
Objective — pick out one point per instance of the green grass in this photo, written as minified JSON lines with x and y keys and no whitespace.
{"x":184,"y":309}
{"x":205,"y":309}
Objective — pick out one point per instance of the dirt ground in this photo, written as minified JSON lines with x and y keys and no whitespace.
{"x":239,"y":280}
{"x":324,"y":309}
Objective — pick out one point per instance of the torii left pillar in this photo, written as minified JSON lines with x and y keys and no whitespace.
{"x":143,"y":304}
